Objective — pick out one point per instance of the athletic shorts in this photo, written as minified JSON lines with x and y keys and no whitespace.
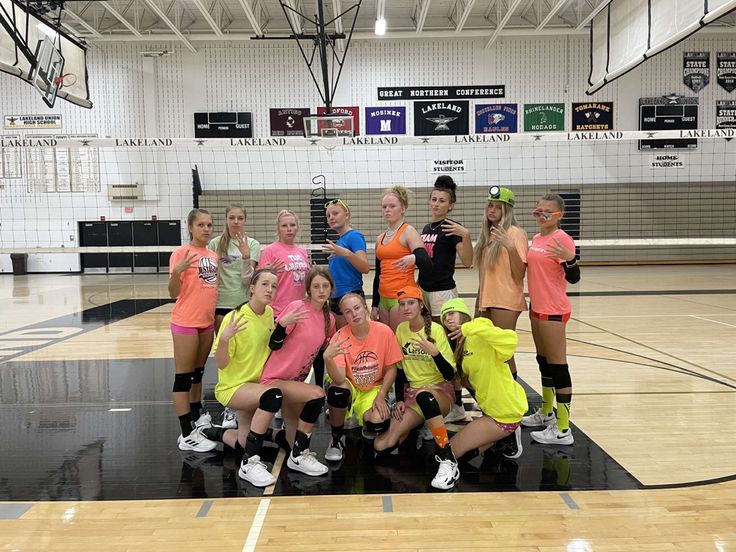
{"x":222,"y":311}
{"x":387,"y":303}
{"x":183,"y":330}
{"x":446,"y":388}
{"x":551,"y":317}
{"x":335,"y":301}
{"x":508,"y":428}
{"x":434,"y":300}
{"x":361,"y":401}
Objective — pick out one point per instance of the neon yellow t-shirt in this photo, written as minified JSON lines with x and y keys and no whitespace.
{"x":418,"y":366}
{"x":248,"y":351}
{"x":486,"y":350}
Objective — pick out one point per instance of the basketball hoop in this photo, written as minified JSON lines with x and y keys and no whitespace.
{"x":64,"y":81}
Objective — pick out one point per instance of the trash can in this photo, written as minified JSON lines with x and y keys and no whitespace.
{"x":20,"y":263}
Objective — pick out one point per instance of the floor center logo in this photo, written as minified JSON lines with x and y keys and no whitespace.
{"x":444,"y":118}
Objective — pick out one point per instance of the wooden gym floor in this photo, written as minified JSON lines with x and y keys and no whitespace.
{"x":89,"y":435}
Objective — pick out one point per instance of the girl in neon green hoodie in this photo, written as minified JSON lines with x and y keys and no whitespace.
{"x":481,"y":353}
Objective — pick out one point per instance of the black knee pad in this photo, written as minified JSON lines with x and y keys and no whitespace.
{"x":271,"y":400}
{"x":183,"y":382}
{"x":198,"y":375}
{"x":338,"y":397}
{"x":378,"y":427}
{"x":560,"y":375}
{"x":542,"y":363}
{"x":311,"y":410}
{"x":428,"y":405}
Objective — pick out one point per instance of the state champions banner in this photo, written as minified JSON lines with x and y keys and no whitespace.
{"x":496,"y":118}
{"x":385,"y":120}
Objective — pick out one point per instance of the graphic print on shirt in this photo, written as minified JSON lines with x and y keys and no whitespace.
{"x":429,"y":241}
{"x":412,"y":351}
{"x":207,"y":270}
{"x":298,"y":268}
{"x":365,"y":369}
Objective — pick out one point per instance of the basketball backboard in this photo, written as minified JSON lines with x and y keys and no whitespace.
{"x":48,"y":71}
{"x":328,"y":126}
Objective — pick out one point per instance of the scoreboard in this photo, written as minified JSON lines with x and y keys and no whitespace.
{"x":224,"y":124}
{"x":668,"y":113}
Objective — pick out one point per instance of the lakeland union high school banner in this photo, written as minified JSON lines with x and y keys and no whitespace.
{"x":546,"y":117}
{"x":288,"y":121}
{"x":496,"y":118}
{"x":592,"y":116}
{"x":353,"y":110}
{"x":385,"y":120}
{"x":441,"y":118}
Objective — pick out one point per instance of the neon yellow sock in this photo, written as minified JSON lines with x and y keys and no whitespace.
{"x":563,"y":411}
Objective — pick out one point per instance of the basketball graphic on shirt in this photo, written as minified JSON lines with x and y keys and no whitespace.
{"x":207,"y":270}
{"x":365,"y":369}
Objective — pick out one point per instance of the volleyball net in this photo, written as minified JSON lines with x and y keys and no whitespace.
{"x":627,"y":200}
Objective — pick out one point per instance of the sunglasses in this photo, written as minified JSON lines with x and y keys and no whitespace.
{"x":545,"y":215}
{"x":337,"y":202}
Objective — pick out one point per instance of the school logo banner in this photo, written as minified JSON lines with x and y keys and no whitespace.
{"x":496,"y":118}
{"x":547,"y":117}
{"x":385,"y":120}
{"x":726,"y":70}
{"x":353,"y":110}
{"x":442,"y":118}
{"x":726,"y":114}
{"x":592,"y":116}
{"x":696,"y":70}
{"x":288,"y":121}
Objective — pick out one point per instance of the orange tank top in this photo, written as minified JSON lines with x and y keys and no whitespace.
{"x":392,"y":278}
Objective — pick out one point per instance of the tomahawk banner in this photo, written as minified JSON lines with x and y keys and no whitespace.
{"x":441,"y":118}
{"x":696,"y":70}
{"x":592,"y":116}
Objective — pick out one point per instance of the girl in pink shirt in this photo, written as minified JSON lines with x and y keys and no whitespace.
{"x":551,"y":265}
{"x":290,"y":261}
{"x":302,"y":330}
{"x":193,"y":283}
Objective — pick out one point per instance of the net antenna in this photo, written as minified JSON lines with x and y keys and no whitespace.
{"x":325,"y":47}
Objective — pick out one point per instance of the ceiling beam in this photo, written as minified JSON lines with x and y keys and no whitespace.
{"x":557,"y":7}
{"x":296,"y":19}
{"x":591,"y":15}
{"x":120,"y":18}
{"x":248,"y":9}
{"x":337,"y":10}
{"x":162,"y":16}
{"x":206,"y":14}
{"x":464,"y":16}
{"x":502,"y":23}
{"x":95,"y":33}
{"x":422,"y":8}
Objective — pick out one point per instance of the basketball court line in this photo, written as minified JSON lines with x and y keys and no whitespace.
{"x":256,"y":525}
{"x":714,"y":321}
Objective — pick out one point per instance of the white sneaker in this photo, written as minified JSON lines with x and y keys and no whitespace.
{"x":538,"y":419}
{"x":456,"y":414}
{"x":447,"y":474}
{"x":350,"y":423}
{"x":553,"y":436}
{"x":255,"y":472}
{"x":278,"y":415}
{"x":204,"y":420}
{"x":196,"y":442}
{"x":306,"y":463}
{"x":513,"y":445}
{"x":335,"y":451}
{"x":229,"y":419}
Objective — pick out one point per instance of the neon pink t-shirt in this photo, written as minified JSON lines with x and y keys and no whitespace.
{"x":545,"y":275}
{"x":303,"y":342}
{"x":367,"y":359}
{"x":195,"y":305}
{"x":292,"y":278}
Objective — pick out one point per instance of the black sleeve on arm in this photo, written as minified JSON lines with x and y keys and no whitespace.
{"x":572,"y":272}
{"x":444,"y":367}
{"x":376,"y":280}
{"x":423,"y":262}
{"x":278,"y":335}
{"x":399,"y":384}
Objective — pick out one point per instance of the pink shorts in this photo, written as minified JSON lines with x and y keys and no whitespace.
{"x":564,"y":318}
{"x":183,"y":330}
{"x":508,"y":428}
{"x":446,"y":388}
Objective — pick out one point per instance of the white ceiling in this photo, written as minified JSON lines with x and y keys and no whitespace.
{"x":192,"y":20}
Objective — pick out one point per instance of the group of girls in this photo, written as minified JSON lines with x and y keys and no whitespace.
{"x":278,"y":318}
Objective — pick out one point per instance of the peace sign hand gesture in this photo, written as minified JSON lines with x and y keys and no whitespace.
{"x":559,"y":251}
{"x":190,"y":260}
{"x":237,"y":324}
{"x":337,"y":346}
{"x":293,"y":317}
{"x":425,"y":345}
